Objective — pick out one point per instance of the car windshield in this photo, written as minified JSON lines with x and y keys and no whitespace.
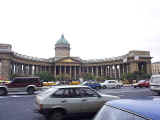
{"x":110,"y":113}
{"x":141,"y":81}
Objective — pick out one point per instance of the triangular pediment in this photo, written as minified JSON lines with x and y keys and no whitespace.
{"x":68,"y":60}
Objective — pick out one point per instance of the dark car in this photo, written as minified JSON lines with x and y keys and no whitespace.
{"x":92,"y":84}
{"x":141,"y":83}
{"x":21,"y":84}
{"x":130,"y":110}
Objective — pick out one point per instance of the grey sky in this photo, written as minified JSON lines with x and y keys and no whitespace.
{"x":94,"y":28}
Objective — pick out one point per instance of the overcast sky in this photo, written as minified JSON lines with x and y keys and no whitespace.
{"x":94,"y":28}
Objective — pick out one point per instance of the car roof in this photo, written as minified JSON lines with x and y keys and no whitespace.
{"x":69,"y":86}
{"x":111,"y":80}
{"x":146,"y":108}
{"x":155,"y":75}
{"x":26,"y":77}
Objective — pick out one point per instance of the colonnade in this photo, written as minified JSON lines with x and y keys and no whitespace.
{"x":27,"y":69}
{"x":74,"y":71}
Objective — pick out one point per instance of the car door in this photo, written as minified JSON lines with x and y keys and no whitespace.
{"x":91,"y":100}
{"x":112,"y":84}
{"x":16,"y":85}
{"x":67,"y":99}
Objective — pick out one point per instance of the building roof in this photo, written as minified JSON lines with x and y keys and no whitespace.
{"x":145,"y":108}
{"x":62,"y":40}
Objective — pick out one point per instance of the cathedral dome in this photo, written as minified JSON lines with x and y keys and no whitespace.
{"x":62,"y":40}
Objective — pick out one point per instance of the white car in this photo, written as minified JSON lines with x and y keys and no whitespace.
{"x":155,"y":83}
{"x":111,"y":84}
{"x":61,"y":101}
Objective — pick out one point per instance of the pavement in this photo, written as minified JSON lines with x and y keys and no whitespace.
{"x":20,"y":105}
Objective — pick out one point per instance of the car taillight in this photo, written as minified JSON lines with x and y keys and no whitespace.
{"x":40,"y":106}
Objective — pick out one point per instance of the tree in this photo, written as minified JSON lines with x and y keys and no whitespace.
{"x":46,"y":76}
{"x":138,"y":75}
{"x":63,"y":77}
{"x":89,"y":76}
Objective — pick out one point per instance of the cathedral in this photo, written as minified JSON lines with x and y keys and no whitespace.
{"x":63,"y":63}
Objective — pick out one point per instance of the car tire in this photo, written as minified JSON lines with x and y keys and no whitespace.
{"x":134,"y":86}
{"x":118,"y":86}
{"x":98,"y":88}
{"x":30,"y":90}
{"x":3,"y":92}
{"x":104,"y":87}
{"x":56,"y":115}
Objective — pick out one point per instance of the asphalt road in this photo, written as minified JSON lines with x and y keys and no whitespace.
{"x":20,"y":106}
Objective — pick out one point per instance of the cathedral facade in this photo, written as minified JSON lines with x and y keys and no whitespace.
{"x":64,"y":64}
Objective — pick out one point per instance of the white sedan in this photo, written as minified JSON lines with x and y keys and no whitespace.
{"x":111,"y":84}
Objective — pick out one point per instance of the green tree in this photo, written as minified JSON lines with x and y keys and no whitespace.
{"x":63,"y":77}
{"x":89,"y":76}
{"x":46,"y":76}
{"x":138,"y":75}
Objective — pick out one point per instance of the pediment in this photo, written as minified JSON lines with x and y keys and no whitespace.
{"x":68,"y":60}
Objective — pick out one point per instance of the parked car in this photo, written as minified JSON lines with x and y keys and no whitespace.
{"x":19,"y":84}
{"x":49,"y":83}
{"x":130,"y":110}
{"x":3,"y":82}
{"x":141,"y":83}
{"x":74,"y":82}
{"x":92,"y":84}
{"x":111,"y":84}
{"x":61,"y":101}
{"x":155,"y":83}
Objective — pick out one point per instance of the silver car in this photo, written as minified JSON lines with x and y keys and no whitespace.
{"x":61,"y":101}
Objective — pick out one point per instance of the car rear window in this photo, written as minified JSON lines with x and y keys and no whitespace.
{"x":111,"y":113}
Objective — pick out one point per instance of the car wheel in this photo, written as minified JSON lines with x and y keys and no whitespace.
{"x":3,"y":91}
{"x":104,"y":87}
{"x":57,"y":115}
{"x":30,"y":90}
{"x":134,"y":86}
{"x":118,"y":86}
{"x":98,"y":88}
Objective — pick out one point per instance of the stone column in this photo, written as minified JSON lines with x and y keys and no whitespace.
{"x":133,"y":67}
{"x":87,"y":69}
{"x":116,"y":72}
{"x":60,"y":70}
{"x":5,"y":65}
{"x":70,"y":72}
{"x":149,"y":68}
{"x":35,"y":70}
{"x":65,"y":69}
{"x":55,"y":72}
{"x":30,"y":69}
{"x":20,"y":69}
{"x":101,"y":70}
{"x":75,"y":75}
{"x":106,"y":71}
{"x":11,"y":71}
{"x":110,"y":70}
{"x":92,"y":71}
{"x":96,"y":71}
{"x":79,"y":71}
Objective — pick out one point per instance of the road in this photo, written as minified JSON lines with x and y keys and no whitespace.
{"x":19,"y":106}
